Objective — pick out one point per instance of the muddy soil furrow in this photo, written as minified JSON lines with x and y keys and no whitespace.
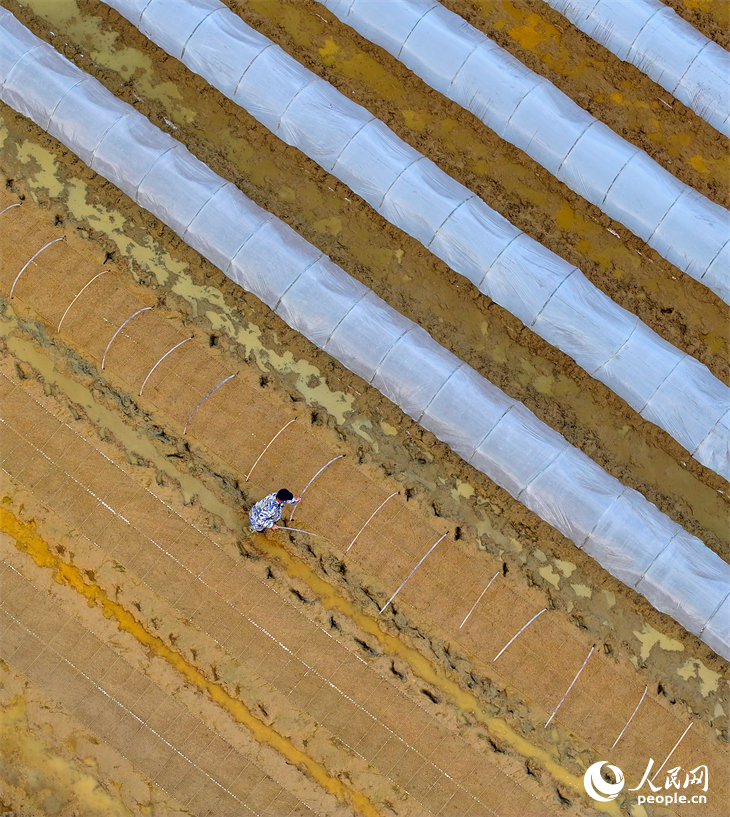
{"x":272,"y":686}
{"x":211,"y":615}
{"x":590,"y":414}
{"x":212,"y":619}
{"x":142,"y":601}
{"x":711,"y":17}
{"x":133,"y":595}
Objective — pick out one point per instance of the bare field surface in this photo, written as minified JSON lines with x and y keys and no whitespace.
{"x":160,"y":659}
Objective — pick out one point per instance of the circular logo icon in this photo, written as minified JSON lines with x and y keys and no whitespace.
{"x":600,"y":789}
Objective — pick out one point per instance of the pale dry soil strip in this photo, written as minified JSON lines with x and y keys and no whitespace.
{"x":75,"y":770}
{"x":125,"y":695}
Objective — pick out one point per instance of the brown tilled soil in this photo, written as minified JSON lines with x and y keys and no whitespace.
{"x":159,"y":658}
{"x":711,"y":17}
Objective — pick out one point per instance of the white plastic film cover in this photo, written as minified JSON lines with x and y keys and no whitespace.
{"x":101,"y":114}
{"x":576,"y":304}
{"x":366,"y":334}
{"x":454,"y":241}
{"x":657,"y":37}
{"x":402,"y":21}
{"x":228,"y":54}
{"x":414,"y":194}
{"x":270,"y":261}
{"x":524,"y":278}
{"x":372,"y":160}
{"x":413,"y":386}
{"x":658,"y":42}
{"x":614,"y":540}
{"x":681,"y":226}
{"x":132,"y":9}
{"x":222,"y":226}
{"x":128,"y":151}
{"x":546,"y":124}
{"x":175,"y":28}
{"x":422,"y":216}
{"x":269,"y":86}
{"x":620,"y":23}
{"x":608,"y":154}
{"x":314,"y":104}
{"x":517,"y":449}
{"x":13,"y":48}
{"x":586,"y":494}
{"x":717,"y":273}
{"x":466,"y":412}
{"x":426,"y":380}
{"x":652,"y":362}
{"x":416,"y":29}
{"x":495,"y":103}
{"x":715,"y":448}
{"x":706,"y":86}
{"x":195,"y":186}
{"x":34,"y":91}
{"x":681,"y":387}
{"x":635,"y":191}
{"x":317,"y":302}
{"x":716,"y":633}
{"x":670,"y":571}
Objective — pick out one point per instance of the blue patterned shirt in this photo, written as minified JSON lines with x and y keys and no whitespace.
{"x":267,"y":512}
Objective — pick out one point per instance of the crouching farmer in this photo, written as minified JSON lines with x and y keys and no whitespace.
{"x":267,"y":511}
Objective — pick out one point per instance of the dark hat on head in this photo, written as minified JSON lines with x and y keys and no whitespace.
{"x":284,"y":496}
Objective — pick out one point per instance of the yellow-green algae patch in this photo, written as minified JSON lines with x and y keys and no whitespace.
{"x":649,"y":637}
{"x":550,"y":576}
{"x":694,"y":668}
{"x":566,"y":568}
{"x":40,"y":165}
{"x":309,"y":379}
